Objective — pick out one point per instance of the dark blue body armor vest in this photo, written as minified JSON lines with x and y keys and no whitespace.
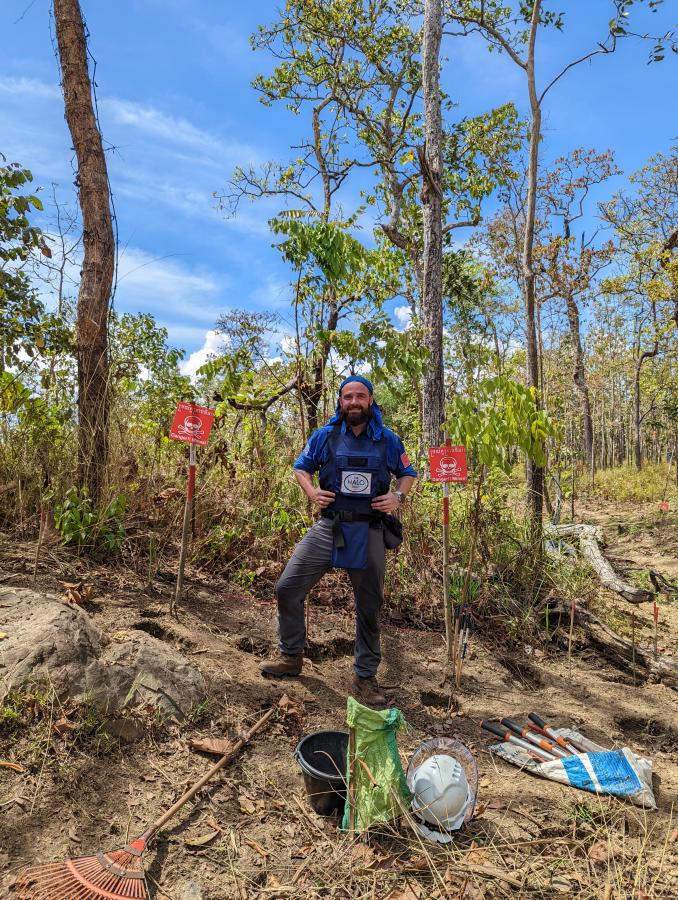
{"x":356,"y":471}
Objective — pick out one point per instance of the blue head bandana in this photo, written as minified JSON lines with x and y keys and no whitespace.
{"x":359,"y":379}
{"x":376,"y":424}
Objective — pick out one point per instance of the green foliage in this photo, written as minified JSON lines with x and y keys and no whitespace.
{"x":82,"y":525}
{"x":20,"y":307}
{"x":628,"y":484}
{"x":499,"y":417}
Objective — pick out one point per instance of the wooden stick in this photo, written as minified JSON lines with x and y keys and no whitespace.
{"x":185,"y":529}
{"x":655,"y":621}
{"x":569,"y":639}
{"x":225,"y":759}
{"x":633,"y":645}
{"x":41,"y":536}
{"x":351,"y":780}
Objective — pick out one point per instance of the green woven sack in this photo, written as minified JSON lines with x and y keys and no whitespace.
{"x":375,"y":746}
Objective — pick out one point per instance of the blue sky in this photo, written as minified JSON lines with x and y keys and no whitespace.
{"x":175,"y":103}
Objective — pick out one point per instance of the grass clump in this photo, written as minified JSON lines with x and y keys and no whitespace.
{"x":626,"y":483}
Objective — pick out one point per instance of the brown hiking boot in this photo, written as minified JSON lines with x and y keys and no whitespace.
{"x":368,"y":692}
{"x":283,"y":664}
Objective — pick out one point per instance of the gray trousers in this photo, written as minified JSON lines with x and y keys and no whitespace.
{"x":312,"y":557}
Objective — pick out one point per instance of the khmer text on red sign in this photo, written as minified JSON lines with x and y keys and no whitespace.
{"x":192,"y":424}
{"x":447,"y":463}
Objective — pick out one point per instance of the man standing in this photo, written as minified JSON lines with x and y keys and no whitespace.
{"x":355,"y":456}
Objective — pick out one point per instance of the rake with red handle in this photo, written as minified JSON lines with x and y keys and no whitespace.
{"x":118,"y":875}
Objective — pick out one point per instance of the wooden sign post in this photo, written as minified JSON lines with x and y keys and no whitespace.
{"x":448,"y":464}
{"x":191,"y":425}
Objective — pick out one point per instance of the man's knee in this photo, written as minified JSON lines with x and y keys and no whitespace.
{"x":282,"y":590}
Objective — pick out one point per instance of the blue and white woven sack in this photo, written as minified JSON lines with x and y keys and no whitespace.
{"x":621,"y":773}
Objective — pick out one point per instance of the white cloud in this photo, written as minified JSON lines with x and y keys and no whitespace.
{"x":404,"y":316}
{"x":167,"y":286}
{"x":29,"y":87}
{"x":212,"y":345}
{"x":176,"y":130}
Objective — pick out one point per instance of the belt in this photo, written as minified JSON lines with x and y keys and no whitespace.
{"x":375,"y":520}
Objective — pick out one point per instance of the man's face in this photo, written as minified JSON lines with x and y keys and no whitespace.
{"x":356,"y":403}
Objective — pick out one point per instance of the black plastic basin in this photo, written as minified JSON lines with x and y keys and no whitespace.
{"x":322,"y":757}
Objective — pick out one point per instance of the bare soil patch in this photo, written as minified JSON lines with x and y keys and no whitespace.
{"x":79,"y":791}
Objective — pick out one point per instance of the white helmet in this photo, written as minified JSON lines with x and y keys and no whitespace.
{"x":443,"y":797}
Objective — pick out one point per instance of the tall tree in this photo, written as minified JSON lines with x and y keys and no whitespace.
{"x":512,"y":28}
{"x":431,"y":161}
{"x":98,"y":245}
{"x":645,"y":227}
{"x":570,"y":266}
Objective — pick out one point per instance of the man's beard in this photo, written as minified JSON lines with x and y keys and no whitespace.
{"x":355,"y":417}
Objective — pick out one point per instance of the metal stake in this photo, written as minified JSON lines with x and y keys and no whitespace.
{"x":190,"y":491}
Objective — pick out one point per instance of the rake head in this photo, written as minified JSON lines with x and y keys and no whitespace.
{"x":118,"y":875}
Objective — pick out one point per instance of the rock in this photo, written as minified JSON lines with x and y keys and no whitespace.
{"x":59,"y":641}
{"x":188,"y":890}
{"x":145,"y":669}
{"x":46,"y":634}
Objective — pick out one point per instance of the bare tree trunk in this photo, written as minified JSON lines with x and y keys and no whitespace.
{"x":579,"y":378}
{"x":99,"y":249}
{"x":535,"y":474}
{"x":430,"y":159}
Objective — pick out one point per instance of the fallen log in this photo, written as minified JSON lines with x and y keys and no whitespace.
{"x":589,"y":535}
{"x":618,"y":650}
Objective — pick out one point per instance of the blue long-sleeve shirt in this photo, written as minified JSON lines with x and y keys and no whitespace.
{"x":314,"y":455}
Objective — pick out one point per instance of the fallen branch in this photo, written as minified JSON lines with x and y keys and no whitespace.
{"x":589,"y":535}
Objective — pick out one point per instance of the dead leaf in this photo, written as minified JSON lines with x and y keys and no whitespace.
{"x":599,"y":853}
{"x":3,"y":635}
{"x":203,"y":840}
{"x":260,"y":571}
{"x":478,"y":856}
{"x":257,"y":848}
{"x":361,"y":853}
{"x":73,"y":834}
{"x":64,"y":726}
{"x":673,"y":836}
{"x":562,"y":885}
{"x":383,"y":863}
{"x":212,"y":822}
{"x":411,"y":892}
{"x":290,"y":708}
{"x":301,"y":852}
{"x":218,"y":746}
{"x":290,"y":830}
{"x":246,"y":806}
{"x":120,"y":635}
{"x":15,"y":767}
{"x":279,"y":804}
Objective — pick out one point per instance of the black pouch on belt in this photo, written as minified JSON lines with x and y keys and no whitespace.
{"x":393,"y":532}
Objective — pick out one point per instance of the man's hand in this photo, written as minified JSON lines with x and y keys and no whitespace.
{"x":321,"y":498}
{"x":386,"y":503}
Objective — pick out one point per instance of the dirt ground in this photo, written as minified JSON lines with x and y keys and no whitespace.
{"x":252,"y":834}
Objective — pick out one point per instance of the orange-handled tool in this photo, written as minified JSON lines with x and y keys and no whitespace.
{"x":552,"y":733}
{"x":505,"y":735}
{"x":533,"y":738}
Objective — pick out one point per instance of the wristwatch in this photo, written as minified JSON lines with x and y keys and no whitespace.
{"x":401,"y":497}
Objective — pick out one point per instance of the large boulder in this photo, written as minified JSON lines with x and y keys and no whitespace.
{"x":52,"y":641}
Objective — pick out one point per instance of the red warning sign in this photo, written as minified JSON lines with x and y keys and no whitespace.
{"x":447,"y":463}
{"x":192,"y":424}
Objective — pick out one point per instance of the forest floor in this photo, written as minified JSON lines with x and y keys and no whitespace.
{"x":252,"y":833}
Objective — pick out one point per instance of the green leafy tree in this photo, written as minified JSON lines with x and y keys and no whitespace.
{"x":20,"y":308}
